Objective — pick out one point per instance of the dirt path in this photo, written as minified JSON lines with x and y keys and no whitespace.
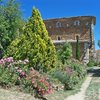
{"x":81,"y":95}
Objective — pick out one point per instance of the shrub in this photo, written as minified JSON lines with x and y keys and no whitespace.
{"x":96,"y":64}
{"x":39,"y":82}
{"x":79,"y":69}
{"x":65,"y":52}
{"x":67,"y":77}
{"x":70,"y":74}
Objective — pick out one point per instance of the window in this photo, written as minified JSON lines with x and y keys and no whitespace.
{"x":77,"y":36}
{"x":58,"y":24}
{"x":49,"y":26}
{"x":67,"y":25}
{"x":77,"y":22}
{"x":59,"y":38}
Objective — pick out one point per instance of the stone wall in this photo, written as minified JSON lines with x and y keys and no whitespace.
{"x":98,"y":56}
{"x":84,"y":51}
{"x":69,"y":28}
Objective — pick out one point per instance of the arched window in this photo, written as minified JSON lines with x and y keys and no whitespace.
{"x":77,"y":22}
{"x":77,"y":36}
{"x":58,"y":24}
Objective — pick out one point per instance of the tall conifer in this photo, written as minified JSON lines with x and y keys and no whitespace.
{"x":34,"y":44}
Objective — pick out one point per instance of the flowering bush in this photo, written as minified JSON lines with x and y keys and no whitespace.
{"x":39,"y":82}
{"x":17,"y":73}
{"x":70,"y":75}
{"x":8,"y":62}
{"x":9,"y":68}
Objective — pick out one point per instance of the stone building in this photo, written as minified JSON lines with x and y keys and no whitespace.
{"x":67,"y":29}
{"x":98,"y":55}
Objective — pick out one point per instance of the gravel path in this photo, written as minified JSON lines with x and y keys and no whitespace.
{"x":81,"y":95}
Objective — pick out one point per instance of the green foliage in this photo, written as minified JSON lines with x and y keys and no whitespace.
{"x":91,"y":63}
{"x":7,"y":78}
{"x":79,"y":69}
{"x":69,"y":79}
{"x":10,"y":22}
{"x":34,"y":44}
{"x":97,"y":64}
{"x":77,"y":49}
{"x":65,"y":52}
{"x":70,"y":74}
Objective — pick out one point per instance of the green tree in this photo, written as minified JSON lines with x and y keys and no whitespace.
{"x":77,"y":48}
{"x":10,"y":22}
{"x":65,"y":52}
{"x":99,"y":43}
{"x":34,"y":44}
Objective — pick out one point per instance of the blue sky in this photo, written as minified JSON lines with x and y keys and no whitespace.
{"x":65,"y":8}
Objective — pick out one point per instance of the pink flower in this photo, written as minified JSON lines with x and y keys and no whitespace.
{"x":23,"y":73}
{"x":2,"y":62}
{"x":42,"y":80}
{"x":19,"y":70}
{"x":39,"y":89}
{"x":18,"y":78}
{"x":9,"y":59}
{"x":33,"y":81}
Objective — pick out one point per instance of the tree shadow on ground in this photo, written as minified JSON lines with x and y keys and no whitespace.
{"x":94,"y":71}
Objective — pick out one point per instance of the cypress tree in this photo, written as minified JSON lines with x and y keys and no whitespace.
{"x":34,"y":44}
{"x":77,"y":48}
